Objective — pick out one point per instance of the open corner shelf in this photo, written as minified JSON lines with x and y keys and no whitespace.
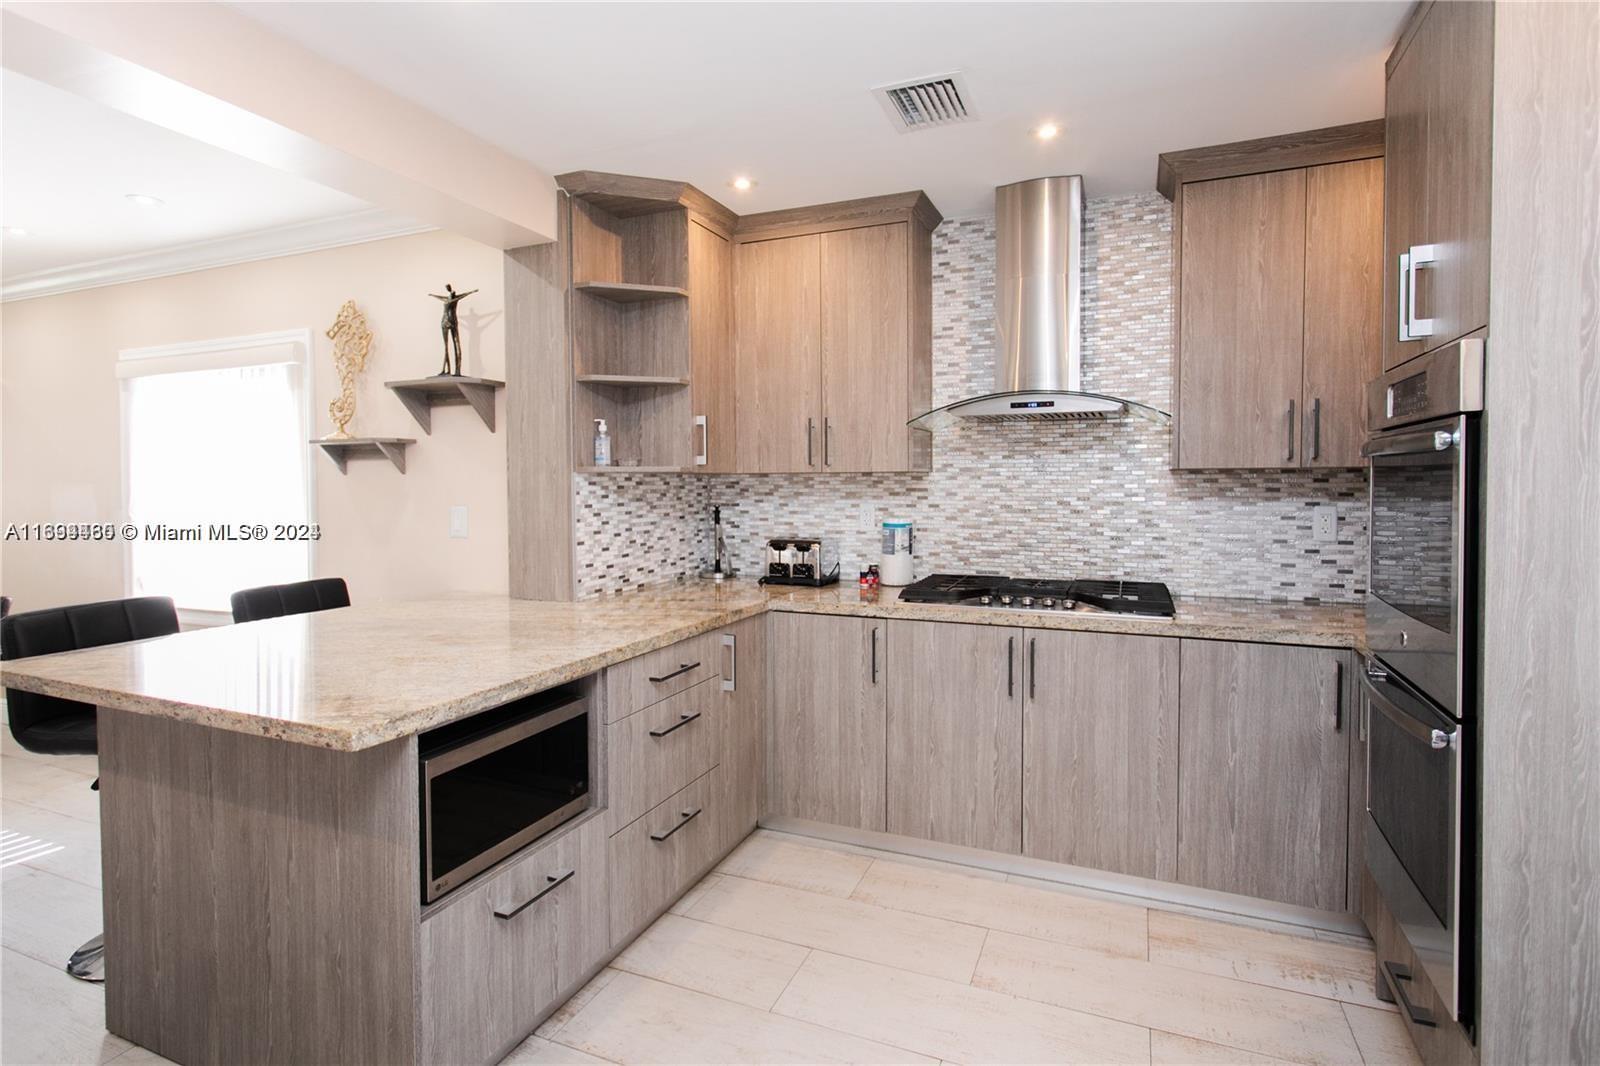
{"x":341,"y":451}
{"x":626,"y":293}
{"x":422,"y":395}
{"x":634,"y":381}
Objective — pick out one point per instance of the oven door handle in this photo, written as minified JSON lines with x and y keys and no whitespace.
{"x":1416,"y":442}
{"x":1435,"y":738}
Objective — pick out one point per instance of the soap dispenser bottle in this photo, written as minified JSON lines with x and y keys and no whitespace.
{"x":602,"y":443}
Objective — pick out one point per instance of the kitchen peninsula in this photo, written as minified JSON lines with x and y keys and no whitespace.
{"x":260,"y":796}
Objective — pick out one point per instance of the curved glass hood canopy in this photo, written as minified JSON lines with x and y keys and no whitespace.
{"x":1038,"y":315}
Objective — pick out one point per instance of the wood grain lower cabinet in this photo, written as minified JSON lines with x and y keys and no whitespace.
{"x":662,"y":853}
{"x":661,"y":749}
{"x":1100,"y":752}
{"x":742,"y":689}
{"x":827,"y":706}
{"x":496,"y":958}
{"x":1263,"y":772}
{"x":955,"y":734}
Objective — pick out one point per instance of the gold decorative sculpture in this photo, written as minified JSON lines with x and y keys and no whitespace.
{"x":352,"y":342}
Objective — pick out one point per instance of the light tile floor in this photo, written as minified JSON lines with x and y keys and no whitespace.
{"x":796,"y":950}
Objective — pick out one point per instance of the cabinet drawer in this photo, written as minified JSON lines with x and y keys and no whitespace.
{"x":652,"y":677}
{"x":657,"y":857}
{"x":498,"y":957}
{"x":661,"y":749}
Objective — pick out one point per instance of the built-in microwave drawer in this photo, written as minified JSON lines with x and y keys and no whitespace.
{"x":661,"y":854}
{"x":499,"y":955}
{"x":652,"y":677}
{"x":661,"y":749}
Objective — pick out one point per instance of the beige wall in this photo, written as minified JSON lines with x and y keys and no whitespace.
{"x":386,"y":534}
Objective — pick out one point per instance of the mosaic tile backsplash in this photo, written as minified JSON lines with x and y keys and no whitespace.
{"x":1044,"y":499}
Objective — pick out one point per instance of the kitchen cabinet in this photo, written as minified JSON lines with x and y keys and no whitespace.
{"x":1438,"y":121}
{"x":1100,"y":752}
{"x":778,"y":299}
{"x":712,"y":376}
{"x":742,"y":689}
{"x":661,"y":854}
{"x":1278,"y":299}
{"x":827,"y":685}
{"x":1263,"y":772}
{"x":955,"y":734}
{"x":833,"y":313}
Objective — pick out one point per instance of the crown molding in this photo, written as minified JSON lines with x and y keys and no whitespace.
{"x":317,"y":235}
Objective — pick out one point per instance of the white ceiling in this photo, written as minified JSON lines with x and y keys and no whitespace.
{"x":702,"y":92}
{"x":68,"y":164}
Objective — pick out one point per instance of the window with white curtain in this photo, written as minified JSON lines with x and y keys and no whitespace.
{"x":214,"y":451}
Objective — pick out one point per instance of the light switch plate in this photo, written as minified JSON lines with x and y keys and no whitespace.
{"x":1325,"y":522}
{"x":458,"y":522}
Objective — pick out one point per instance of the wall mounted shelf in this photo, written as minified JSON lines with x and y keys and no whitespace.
{"x":628,"y":293}
{"x":634,"y":381}
{"x":422,"y":395}
{"x":342,"y":451}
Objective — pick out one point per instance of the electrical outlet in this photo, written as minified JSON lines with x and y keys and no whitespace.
{"x":458,"y":522}
{"x":1325,"y":522}
{"x":866,"y":514}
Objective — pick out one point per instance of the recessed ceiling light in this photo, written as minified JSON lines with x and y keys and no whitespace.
{"x":16,"y":231}
{"x":1047,"y":132}
{"x":145,"y":201}
{"x":742,"y":183}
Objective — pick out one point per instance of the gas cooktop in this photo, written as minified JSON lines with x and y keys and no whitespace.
{"x":1138,"y":598}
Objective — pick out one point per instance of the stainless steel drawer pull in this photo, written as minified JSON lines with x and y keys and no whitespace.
{"x":555,"y":882}
{"x":810,"y":433}
{"x":827,"y":442}
{"x":683,"y":668}
{"x":704,"y":454}
{"x":685,"y":819}
{"x":1400,"y":979}
{"x":683,"y":720}
{"x":1290,"y":422}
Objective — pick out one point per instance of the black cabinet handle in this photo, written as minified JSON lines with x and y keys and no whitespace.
{"x":683,"y":668}
{"x":1316,"y":428}
{"x":874,"y":655}
{"x":683,"y":720}
{"x":1290,"y":423}
{"x":1033,"y":668}
{"x":1401,"y":978}
{"x":685,"y":819}
{"x":555,"y":882}
{"x":1338,"y":696}
{"x":1011,"y":666}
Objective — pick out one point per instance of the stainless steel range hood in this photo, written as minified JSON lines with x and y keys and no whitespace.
{"x":1038,"y":314}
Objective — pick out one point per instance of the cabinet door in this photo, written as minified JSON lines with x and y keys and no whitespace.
{"x":1405,"y":147}
{"x":826,"y":706}
{"x":778,"y":314}
{"x":1100,"y":752}
{"x":866,"y":353}
{"x":1241,"y":321}
{"x":1263,"y":772}
{"x":712,"y":364}
{"x":1344,"y":293}
{"x":955,"y":733}
{"x":743,"y":687}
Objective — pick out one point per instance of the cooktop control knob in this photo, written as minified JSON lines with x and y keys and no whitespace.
{"x":1047,"y":602}
{"x":1005,"y":600}
{"x":985,"y":600}
{"x":1027,"y":601}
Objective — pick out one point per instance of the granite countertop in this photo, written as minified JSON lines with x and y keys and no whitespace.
{"x":357,"y":677}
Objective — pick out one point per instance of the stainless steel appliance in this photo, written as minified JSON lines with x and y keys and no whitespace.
{"x":1420,"y":678}
{"x":1148,"y":599}
{"x":1038,"y":315}
{"x":800,"y":561}
{"x":494,"y":783}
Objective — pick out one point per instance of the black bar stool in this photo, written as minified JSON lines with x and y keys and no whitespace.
{"x":50,"y":725}
{"x":301,"y":597}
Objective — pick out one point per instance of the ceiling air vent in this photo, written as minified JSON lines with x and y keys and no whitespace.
{"x":941,"y":100}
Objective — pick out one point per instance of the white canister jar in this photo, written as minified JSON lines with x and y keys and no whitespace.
{"x":895,"y":569}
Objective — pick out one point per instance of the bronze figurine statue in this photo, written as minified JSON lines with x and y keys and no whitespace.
{"x":450,"y":326}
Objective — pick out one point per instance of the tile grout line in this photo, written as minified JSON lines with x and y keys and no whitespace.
{"x":790,"y":981}
{"x":978,"y":959}
{"x":1345,"y":1014}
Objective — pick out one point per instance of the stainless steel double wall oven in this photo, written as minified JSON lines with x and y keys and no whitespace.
{"x":1420,"y":683}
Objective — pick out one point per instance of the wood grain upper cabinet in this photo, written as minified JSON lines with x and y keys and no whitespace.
{"x":1100,"y":752}
{"x":1263,"y":772}
{"x":827,"y":682}
{"x":865,"y":348}
{"x":955,"y":733}
{"x":712,"y":370}
{"x":1438,"y":110}
{"x":1278,"y":316}
{"x":779,"y":314}
{"x":1344,"y":287}
{"x":1242,"y":315}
